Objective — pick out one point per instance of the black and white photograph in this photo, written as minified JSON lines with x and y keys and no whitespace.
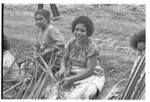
{"x":57,"y":51}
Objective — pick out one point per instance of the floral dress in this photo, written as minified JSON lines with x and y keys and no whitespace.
{"x":88,"y":87}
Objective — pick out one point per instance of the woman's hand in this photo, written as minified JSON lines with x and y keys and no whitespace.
{"x":60,"y":74}
{"x":67,"y":84}
{"x":36,"y":47}
{"x":42,"y":48}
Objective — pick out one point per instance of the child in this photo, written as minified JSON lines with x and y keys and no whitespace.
{"x":137,"y":42}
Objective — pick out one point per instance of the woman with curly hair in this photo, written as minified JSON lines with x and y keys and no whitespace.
{"x":83,"y":78}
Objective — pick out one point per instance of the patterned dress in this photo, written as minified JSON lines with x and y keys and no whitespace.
{"x":88,"y":87}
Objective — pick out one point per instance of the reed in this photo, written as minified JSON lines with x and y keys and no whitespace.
{"x":134,"y":78}
{"x":8,"y":90}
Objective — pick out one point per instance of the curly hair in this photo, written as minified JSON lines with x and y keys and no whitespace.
{"x":5,"y":44}
{"x":137,"y":37}
{"x":86,"y":21}
{"x":43,"y":12}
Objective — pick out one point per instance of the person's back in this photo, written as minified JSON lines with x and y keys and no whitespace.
{"x":13,"y":72}
{"x":8,"y":59}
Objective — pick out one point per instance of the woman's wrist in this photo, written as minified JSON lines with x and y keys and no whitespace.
{"x":69,"y":79}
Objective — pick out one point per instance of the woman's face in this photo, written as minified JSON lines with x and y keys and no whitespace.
{"x":41,"y":21}
{"x":80,"y":32}
{"x":141,"y":47}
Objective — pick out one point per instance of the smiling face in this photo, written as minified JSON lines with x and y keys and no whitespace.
{"x":80,"y":32}
{"x":41,"y":21}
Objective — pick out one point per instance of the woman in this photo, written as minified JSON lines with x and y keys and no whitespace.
{"x":8,"y":58}
{"x":49,"y":38}
{"x":11,"y":75}
{"x":82,"y":79}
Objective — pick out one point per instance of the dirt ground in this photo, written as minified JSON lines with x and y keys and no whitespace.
{"x":114,"y":25}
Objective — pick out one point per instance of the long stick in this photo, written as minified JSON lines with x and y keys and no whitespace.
{"x":49,"y":69}
{"x":12,"y":88}
{"x":31,"y":82}
{"x":21,"y":90}
{"x":139,"y":88}
{"x":36,"y":86}
{"x":133,"y":85}
{"x":131,"y":79}
{"x":134,"y":78}
{"x":40,"y":89}
{"x":46,"y":66}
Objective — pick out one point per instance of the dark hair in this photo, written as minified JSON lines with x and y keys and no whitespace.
{"x":43,"y":12}
{"x":5,"y":44}
{"x":136,"y":38}
{"x":86,"y":21}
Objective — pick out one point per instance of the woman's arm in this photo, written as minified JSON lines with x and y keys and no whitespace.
{"x":57,"y":36}
{"x":63,"y":64}
{"x":91,"y":63}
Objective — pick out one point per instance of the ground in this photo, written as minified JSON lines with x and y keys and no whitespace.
{"x":114,"y":25}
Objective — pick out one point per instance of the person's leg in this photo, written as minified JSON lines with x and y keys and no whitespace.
{"x":55,"y":11}
{"x":40,"y":6}
{"x":83,"y":91}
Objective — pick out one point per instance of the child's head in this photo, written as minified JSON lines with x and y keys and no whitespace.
{"x":137,"y":41}
{"x":42,"y":17}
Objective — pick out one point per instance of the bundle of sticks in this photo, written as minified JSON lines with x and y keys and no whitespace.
{"x":42,"y":77}
{"x":136,"y":86}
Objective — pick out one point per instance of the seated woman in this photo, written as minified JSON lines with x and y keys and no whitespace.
{"x":8,"y":59}
{"x":83,"y":78}
{"x":49,"y":38}
{"x":11,"y":75}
